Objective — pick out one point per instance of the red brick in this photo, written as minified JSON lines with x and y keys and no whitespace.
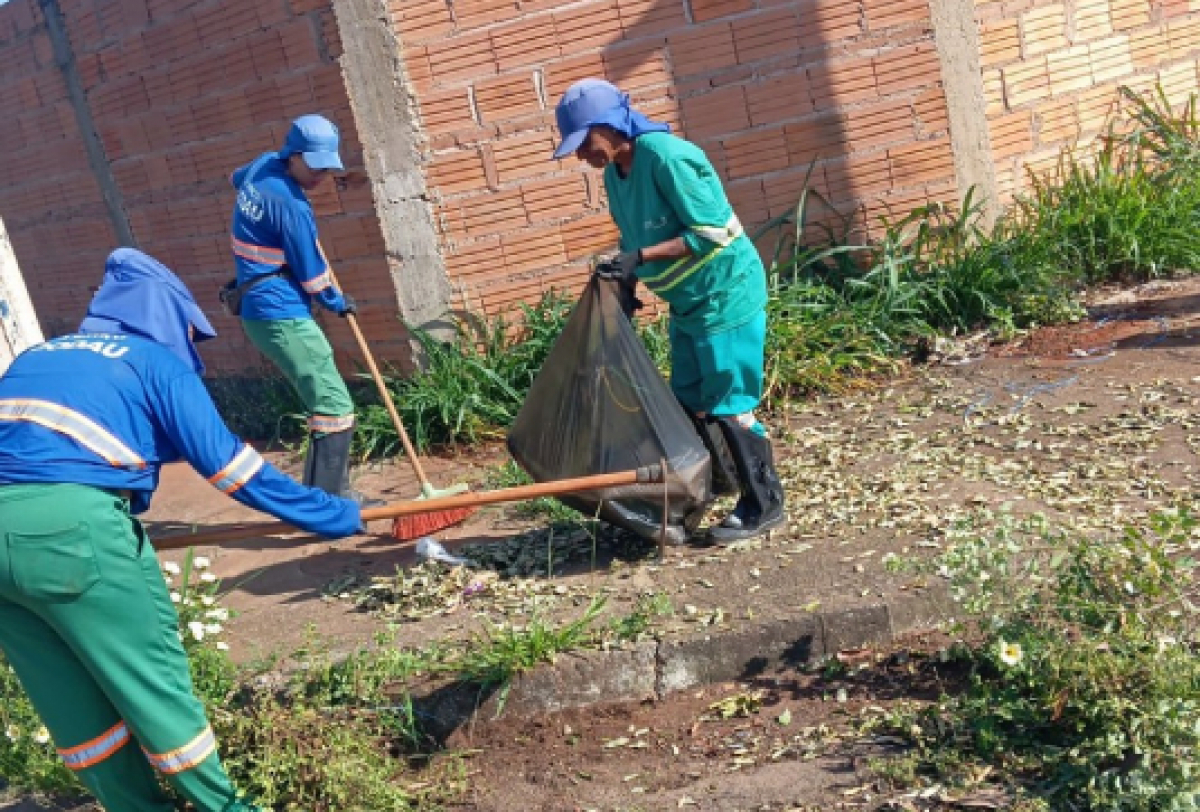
{"x":648,"y":18}
{"x":561,"y":74}
{"x":931,"y":112}
{"x":464,"y":56}
{"x":999,"y":42}
{"x":717,"y":113}
{"x":1044,"y":29}
{"x":492,"y":213}
{"x":588,"y":236}
{"x":1148,"y":46}
{"x":922,"y":162}
{"x":506,"y":97}
{"x":554,"y":199}
{"x":524,"y":155}
{"x":767,"y":35}
{"x":756,"y":152}
{"x":858,"y":176}
{"x":457,"y":172}
{"x":882,"y":14}
{"x":842,"y":81}
{"x":907,"y":68}
{"x":529,"y":42}
{"x":831,"y":21}
{"x":878,"y":124}
{"x":1184,"y":36}
{"x":780,"y":98}
{"x":704,"y":10}
{"x":1069,"y":70}
{"x":702,"y":49}
{"x":530,"y":249}
{"x":1130,"y":14}
{"x":421,"y":20}
{"x":1056,"y":122}
{"x":1026,"y":82}
{"x":822,"y":136}
{"x":638,"y":65}
{"x":593,"y":25}
{"x":477,"y":13}
{"x":446,"y":110}
{"x":1011,"y":135}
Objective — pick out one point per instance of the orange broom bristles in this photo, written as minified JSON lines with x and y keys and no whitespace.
{"x":418,"y":525}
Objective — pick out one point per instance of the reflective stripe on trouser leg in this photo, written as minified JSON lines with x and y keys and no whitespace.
{"x":302,"y":353}
{"x":123,"y":631}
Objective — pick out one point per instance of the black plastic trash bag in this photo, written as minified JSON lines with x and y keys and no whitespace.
{"x":599,"y":405}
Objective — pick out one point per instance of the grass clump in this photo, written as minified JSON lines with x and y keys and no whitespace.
{"x":1083,"y":684}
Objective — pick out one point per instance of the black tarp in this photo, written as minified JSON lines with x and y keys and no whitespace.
{"x":599,"y":405}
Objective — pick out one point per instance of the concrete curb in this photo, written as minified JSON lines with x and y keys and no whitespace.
{"x":653,"y":669}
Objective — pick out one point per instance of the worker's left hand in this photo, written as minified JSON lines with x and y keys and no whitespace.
{"x":350,"y":307}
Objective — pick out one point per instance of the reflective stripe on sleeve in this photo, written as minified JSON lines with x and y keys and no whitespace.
{"x":93,"y":752}
{"x":78,"y":427}
{"x":675,"y":273}
{"x":318,"y":283}
{"x":245,"y":464}
{"x":186,"y":757}
{"x":257,"y":253}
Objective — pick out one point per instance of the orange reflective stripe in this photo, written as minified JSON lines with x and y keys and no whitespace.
{"x":318,"y":283}
{"x":257,"y":253}
{"x":93,"y":752}
{"x":78,"y":427}
{"x":244,"y":465}
{"x":186,"y":757}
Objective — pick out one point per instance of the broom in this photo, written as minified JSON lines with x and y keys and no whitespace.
{"x":649,"y":474}
{"x":409,"y":526}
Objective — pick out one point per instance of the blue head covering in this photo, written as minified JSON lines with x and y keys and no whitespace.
{"x":141,"y":296}
{"x":316,"y":138}
{"x":594,"y":101}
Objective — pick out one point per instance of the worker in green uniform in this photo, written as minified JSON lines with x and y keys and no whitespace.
{"x":680,"y":237}
{"x":87,"y":421}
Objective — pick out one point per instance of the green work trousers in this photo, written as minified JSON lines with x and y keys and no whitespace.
{"x":88,"y":625}
{"x":303,"y":355}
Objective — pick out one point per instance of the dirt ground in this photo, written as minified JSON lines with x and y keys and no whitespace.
{"x":1087,"y":423}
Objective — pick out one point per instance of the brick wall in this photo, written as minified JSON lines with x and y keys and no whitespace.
{"x":766,"y":87}
{"x":181,"y":94}
{"x":1051,"y":71}
{"x":49,"y":199}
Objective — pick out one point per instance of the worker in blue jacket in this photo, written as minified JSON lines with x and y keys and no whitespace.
{"x":281,"y":271}
{"x":680,"y":237}
{"x":86,"y":423}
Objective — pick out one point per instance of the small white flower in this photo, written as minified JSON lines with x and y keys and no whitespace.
{"x":197,"y":630}
{"x":176,"y":597}
{"x":12,"y":732}
{"x":42,"y":736}
{"x":170,"y":567}
{"x":200,"y":562}
{"x":1130,"y":588}
{"x":217,"y":614}
{"x":208,"y":600}
{"x":168,"y":579}
{"x":207,"y":577}
{"x":222,"y":646}
{"x":213,"y":628}
{"x":1166,"y":642}
{"x":984,"y":575}
{"x":1011,"y":653}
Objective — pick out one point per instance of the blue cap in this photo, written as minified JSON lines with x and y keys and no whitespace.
{"x":582,"y":105}
{"x":316,"y":138}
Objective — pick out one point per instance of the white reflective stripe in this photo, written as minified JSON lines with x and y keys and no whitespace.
{"x":318,"y":283}
{"x":78,"y":427}
{"x":186,"y":757}
{"x":96,"y":750}
{"x":721,"y":235}
{"x":245,"y":464}
{"x":330,"y":425}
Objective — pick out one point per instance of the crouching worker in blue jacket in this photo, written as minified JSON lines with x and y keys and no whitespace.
{"x":86,"y":621}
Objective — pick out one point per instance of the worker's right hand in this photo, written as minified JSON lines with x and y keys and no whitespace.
{"x":349,"y":306}
{"x":623,"y":266}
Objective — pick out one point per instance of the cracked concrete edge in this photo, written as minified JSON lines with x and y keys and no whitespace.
{"x":651,"y":670}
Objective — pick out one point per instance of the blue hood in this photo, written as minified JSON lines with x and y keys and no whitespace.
{"x":140,"y":296}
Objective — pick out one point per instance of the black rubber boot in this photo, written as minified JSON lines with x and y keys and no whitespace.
{"x":724,"y":470}
{"x":760,"y":507}
{"x":327,"y":466}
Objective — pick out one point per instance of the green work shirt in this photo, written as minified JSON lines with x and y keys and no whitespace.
{"x":673,"y":191}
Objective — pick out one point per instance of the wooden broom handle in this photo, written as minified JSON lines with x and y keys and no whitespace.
{"x":384,"y":395}
{"x":638,"y":476}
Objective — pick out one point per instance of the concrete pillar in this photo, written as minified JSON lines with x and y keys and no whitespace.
{"x":19,"y":326}
{"x":64,"y":58}
{"x":956,"y":35}
{"x":385,"y":115}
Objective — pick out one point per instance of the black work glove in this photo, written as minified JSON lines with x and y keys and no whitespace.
{"x":623,"y":266}
{"x":350,"y":306}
